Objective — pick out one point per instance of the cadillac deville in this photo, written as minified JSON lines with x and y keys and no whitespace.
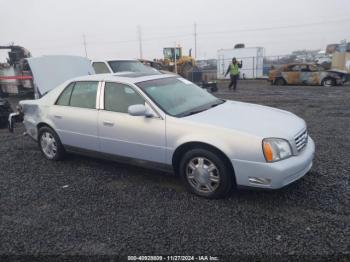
{"x":165,"y":121}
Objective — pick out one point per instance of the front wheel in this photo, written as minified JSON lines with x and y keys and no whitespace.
{"x":50,"y":144}
{"x":328,"y":82}
{"x":205,"y":174}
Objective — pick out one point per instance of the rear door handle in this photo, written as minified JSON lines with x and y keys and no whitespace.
{"x":108,"y":123}
{"x":57,"y":116}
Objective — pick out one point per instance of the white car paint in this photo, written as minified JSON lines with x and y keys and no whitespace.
{"x":237,"y":129}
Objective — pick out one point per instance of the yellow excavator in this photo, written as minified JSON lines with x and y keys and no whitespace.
{"x":185,"y":66}
{"x":175,"y":62}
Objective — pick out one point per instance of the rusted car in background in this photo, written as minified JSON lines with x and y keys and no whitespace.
{"x":306,"y":74}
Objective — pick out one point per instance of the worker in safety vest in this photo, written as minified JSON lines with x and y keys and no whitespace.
{"x":233,"y":69}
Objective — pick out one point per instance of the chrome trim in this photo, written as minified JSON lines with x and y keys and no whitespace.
{"x":102,"y":96}
{"x":13,"y":118}
{"x":301,"y":140}
{"x":259,"y":181}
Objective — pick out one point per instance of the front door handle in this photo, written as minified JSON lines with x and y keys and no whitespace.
{"x":57,"y":116}
{"x":108,"y":123}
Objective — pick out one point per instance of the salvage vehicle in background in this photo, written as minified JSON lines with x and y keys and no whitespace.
{"x":306,"y":74}
{"x":122,"y":65}
{"x":165,"y":121}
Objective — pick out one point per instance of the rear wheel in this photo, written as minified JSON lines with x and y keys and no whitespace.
{"x":205,"y":174}
{"x":50,"y":144}
{"x":280,"y":82}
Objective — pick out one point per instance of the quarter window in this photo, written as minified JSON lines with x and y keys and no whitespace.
{"x":100,"y":68}
{"x":84,"y":95}
{"x":118,"y":97}
{"x":64,"y":98}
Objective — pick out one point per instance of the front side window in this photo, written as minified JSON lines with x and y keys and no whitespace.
{"x":118,"y":97}
{"x":296,"y":68}
{"x":84,"y":95}
{"x":100,"y":68}
{"x":178,"y":97}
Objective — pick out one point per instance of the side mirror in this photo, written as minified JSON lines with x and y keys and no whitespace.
{"x":139,"y":110}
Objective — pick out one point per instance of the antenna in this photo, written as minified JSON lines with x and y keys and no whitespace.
{"x":139,"y":32}
{"x":84,"y":42}
{"x":195,"y":41}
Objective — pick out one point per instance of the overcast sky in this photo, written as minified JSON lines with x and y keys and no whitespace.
{"x":280,"y":26}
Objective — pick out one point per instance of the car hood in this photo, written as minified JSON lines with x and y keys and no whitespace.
{"x":50,"y":71}
{"x":253,"y":119}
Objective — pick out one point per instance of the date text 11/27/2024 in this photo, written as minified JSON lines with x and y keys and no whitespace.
{"x":173,"y":258}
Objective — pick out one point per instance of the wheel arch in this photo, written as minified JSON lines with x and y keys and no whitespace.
{"x":329,"y":78}
{"x":280,"y":78}
{"x":44,"y":124}
{"x":180,"y":150}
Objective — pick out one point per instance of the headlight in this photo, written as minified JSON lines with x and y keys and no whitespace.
{"x":276,"y":149}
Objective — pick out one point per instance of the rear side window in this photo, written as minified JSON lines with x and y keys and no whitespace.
{"x":64,"y":98}
{"x":100,"y":68}
{"x":84,"y":95}
{"x":118,"y":97}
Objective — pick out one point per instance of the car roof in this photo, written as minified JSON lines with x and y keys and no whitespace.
{"x":294,"y":64}
{"x":125,"y":77}
{"x":114,"y":59}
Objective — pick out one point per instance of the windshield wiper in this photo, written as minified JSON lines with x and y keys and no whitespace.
{"x":194,"y":112}
{"x":218,"y":103}
{"x":202,"y":109}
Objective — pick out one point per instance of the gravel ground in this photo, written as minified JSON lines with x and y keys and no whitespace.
{"x":86,"y":206}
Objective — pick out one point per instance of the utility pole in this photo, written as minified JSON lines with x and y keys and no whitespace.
{"x":84,"y":42}
{"x":195,"y":41}
{"x":175,"y":62}
{"x":139,"y":32}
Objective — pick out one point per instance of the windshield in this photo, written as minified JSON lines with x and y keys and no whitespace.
{"x":131,"y":66}
{"x":178,"y":97}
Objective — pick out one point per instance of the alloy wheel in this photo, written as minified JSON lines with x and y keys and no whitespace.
{"x":203,"y":175}
{"x":48,"y":145}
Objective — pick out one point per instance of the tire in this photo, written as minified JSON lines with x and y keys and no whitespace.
{"x":328,"y":82}
{"x":280,"y":82}
{"x":50,"y":144}
{"x":193,"y":170}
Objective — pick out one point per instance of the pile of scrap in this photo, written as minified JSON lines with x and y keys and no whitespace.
{"x":15,"y":75}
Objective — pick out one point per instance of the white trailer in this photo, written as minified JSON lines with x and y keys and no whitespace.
{"x":251,"y":57}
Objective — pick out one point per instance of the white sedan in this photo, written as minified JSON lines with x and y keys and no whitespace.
{"x":167,"y":122}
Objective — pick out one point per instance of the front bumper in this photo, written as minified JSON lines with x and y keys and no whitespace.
{"x":274,"y":175}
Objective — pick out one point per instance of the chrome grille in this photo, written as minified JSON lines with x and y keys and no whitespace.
{"x":301,"y":140}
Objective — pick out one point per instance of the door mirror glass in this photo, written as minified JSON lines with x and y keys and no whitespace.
{"x":139,"y":110}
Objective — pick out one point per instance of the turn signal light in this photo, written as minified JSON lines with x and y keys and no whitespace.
{"x":268,"y":152}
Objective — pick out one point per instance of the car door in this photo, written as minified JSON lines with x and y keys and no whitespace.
{"x":314,"y":75}
{"x":293,"y":75}
{"x":121,"y":134}
{"x":305,"y":74}
{"x":75,"y":115}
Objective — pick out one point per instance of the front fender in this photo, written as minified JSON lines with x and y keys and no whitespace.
{"x":234,"y":144}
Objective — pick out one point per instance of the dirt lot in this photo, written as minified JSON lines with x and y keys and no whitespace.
{"x":88,"y":206}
